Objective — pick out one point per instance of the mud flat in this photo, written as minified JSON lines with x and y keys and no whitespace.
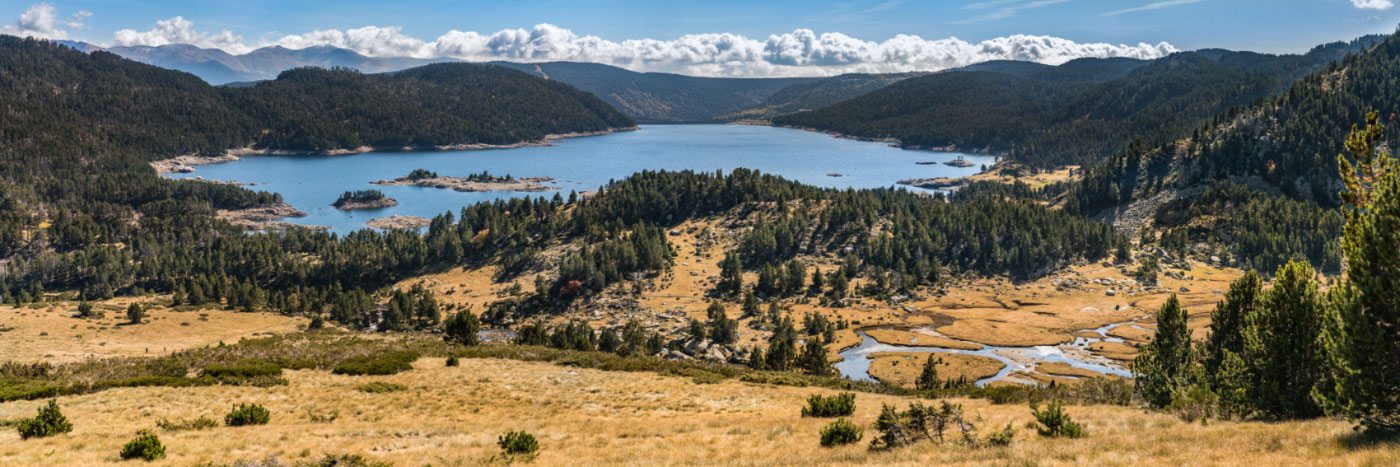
{"x":470,"y":184}
{"x":399,"y":222}
{"x":266,"y":218}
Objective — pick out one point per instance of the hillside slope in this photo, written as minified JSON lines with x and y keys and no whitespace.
{"x":1049,"y":117}
{"x":661,"y":97}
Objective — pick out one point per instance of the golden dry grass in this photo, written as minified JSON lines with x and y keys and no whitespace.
{"x":452,"y":416}
{"x":903,"y":368}
{"x":50,"y":332}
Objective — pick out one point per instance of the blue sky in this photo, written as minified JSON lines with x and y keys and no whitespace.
{"x":1260,"y":25}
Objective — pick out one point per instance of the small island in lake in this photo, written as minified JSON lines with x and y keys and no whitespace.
{"x":959,"y":162}
{"x":363,"y":199}
{"x":483,"y":181}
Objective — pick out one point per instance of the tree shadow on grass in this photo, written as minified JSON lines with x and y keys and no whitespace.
{"x":1369,"y":438}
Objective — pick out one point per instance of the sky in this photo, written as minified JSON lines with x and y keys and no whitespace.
{"x":718,"y":37}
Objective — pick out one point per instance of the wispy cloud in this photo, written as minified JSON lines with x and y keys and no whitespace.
{"x":1166,"y":4}
{"x":1010,"y":9}
{"x":1373,"y":4}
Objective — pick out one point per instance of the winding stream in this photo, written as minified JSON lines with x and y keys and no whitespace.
{"x":856,"y":360}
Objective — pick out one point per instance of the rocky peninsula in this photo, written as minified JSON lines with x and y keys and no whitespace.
{"x":265,"y":218}
{"x":399,"y":222}
{"x":472,"y":183}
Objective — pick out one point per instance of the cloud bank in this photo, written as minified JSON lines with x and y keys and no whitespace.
{"x":41,"y":20}
{"x":1373,"y":4}
{"x":802,"y":52}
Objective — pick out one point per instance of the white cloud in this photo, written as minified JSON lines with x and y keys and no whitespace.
{"x":41,"y":20}
{"x":1172,"y":3}
{"x":179,"y":30}
{"x":1373,"y":4}
{"x":798,"y":53}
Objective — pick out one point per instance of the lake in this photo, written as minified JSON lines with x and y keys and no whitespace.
{"x":312,"y":183}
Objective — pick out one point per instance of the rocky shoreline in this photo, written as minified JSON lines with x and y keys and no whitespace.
{"x":935,"y":183}
{"x":266,"y":218}
{"x":527,"y":184}
{"x":186,"y":163}
{"x":399,"y":222}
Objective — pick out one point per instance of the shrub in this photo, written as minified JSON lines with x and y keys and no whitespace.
{"x":380,"y":387}
{"x":1198,"y":403}
{"x":50,"y":421}
{"x":518,"y":442}
{"x":196,"y":424}
{"x":840,"y":405}
{"x":452,"y":361}
{"x":247,"y":414}
{"x":146,"y":446}
{"x":386,"y":363}
{"x":1055,"y":422}
{"x":1002,"y":437}
{"x":920,"y":422}
{"x":243,"y":370}
{"x":775,"y":378}
{"x":841,"y":432}
{"x":343,"y":460}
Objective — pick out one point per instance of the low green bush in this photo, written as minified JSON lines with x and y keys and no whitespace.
{"x":50,"y":421}
{"x":841,"y":432}
{"x":452,"y":361}
{"x":242,"y":370}
{"x":195,"y":424}
{"x":1055,"y":422}
{"x":145,"y":446}
{"x":247,"y":414}
{"x":780,"y":379}
{"x":840,"y":405}
{"x":1002,"y":437}
{"x":345,"y":460}
{"x":386,"y":363}
{"x":518,"y":442}
{"x":380,"y":387}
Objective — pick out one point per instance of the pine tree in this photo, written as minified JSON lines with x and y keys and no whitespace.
{"x":1281,"y":352}
{"x":461,"y":328}
{"x":928,"y":378}
{"x":731,"y":275}
{"x":135,"y":313}
{"x":1227,"y":322}
{"x":1361,"y":332}
{"x":813,"y":358}
{"x":1163,"y":368}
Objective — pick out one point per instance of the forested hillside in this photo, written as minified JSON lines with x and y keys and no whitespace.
{"x":84,"y":212}
{"x":1270,"y":167}
{"x":818,"y":94}
{"x":1050,"y":116}
{"x":661,"y":97}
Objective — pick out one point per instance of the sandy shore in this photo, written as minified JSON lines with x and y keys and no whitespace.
{"x":399,"y":222}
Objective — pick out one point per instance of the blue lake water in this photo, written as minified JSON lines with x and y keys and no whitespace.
{"x":312,"y":183}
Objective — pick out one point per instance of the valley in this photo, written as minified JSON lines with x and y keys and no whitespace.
{"x":479,"y":252}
